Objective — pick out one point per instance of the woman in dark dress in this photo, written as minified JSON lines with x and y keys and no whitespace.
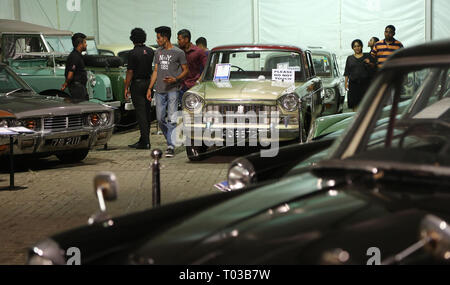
{"x":357,"y":75}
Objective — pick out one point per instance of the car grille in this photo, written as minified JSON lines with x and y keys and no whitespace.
{"x":241,"y":110}
{"x":59,"y":123}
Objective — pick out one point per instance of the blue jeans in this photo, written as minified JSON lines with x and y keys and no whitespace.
{"x":167,"y":104}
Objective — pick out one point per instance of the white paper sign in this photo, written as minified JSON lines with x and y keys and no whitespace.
{"x":283,"y":75}
{"x":6,"y":132}
{"x":283,"y":65}
{"x":222,"y":71}
{"x":21,"y":130}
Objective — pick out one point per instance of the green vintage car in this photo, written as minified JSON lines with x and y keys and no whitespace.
{"x":326,"y":66}
{"x":254,"y":101}
{"x":332,"y":126}
{"x":34,"y":52}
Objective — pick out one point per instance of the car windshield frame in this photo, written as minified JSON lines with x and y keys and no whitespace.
{"x":54,"y":42}
{"x":223,"y":56}
{"x":21,"y":84}
{"x":389,"y":85}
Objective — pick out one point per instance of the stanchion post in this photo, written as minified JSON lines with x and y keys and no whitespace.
{"x":156,"y":183}
{"x":11,"y":162}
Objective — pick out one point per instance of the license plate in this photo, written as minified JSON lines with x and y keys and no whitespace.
{"x":65,"y":141}
{"x":241,"y":133}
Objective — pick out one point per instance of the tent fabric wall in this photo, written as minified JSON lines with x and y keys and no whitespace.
{"x":115,"y":24}
{"x":7,"y":9}
{"x":229,"y":22}
{"x":441,"y":19}
{"x":54,"y":14}
{"x":330,"y":23}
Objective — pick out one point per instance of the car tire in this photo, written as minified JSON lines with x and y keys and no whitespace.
{"x":73,"y":155}
{"x":102,"y":61}
{"x":194,"y":153}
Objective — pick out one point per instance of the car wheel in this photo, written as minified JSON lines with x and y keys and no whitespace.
{"x":73,"y":156}
{"x":194,"y":153}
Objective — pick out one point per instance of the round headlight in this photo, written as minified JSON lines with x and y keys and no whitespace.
{"x":240,"y":175}
{"x":3,"y":123}
{"x":289,"y":102}
{"x":104,"y":118}
{"x":329,"y":94}
{"x":94,"y":120}
{"x":192,"y":101}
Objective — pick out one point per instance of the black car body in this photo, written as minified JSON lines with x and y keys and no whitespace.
{"x":383,"y":187}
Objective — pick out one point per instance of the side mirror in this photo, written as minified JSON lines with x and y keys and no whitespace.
{"x":437,"y":232}
{"x":105,"y":188}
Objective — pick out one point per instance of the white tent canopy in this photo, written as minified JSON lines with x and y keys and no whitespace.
{"x":330,"y":23}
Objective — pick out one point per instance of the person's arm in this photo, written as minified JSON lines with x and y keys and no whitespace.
{"x":347,"y":72}
{"x":68,"y":79}
{"x":127,"y":83}
{"x":179,"y":78}
{"x":152,"y":82}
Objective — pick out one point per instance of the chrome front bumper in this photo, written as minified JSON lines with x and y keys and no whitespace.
{"x":46,"y":142}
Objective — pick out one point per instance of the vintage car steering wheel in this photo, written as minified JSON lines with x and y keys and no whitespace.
{"x":238,"y":68}
{"x":429,"y":125}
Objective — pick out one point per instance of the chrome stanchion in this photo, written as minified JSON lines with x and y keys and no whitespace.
{"x":156,"y":183}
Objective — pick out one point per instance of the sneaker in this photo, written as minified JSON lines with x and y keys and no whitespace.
{"x":170,"y":152}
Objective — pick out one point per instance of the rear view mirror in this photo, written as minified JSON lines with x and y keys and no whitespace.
{"x":253,"y":55}
{"x":437,"y":232}
{"x":105,"y":188}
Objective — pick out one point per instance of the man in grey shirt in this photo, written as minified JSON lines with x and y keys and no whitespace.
{"x":170,"y":70}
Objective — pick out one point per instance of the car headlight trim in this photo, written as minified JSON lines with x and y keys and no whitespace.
{"x":192,"y":101}
{"x":4,"y":123}
{"x":92,"y":80}
{"x":104,"y":118}
{"x":240,"y":174}
{"x":289,"y":102}
{"x":330,"y":94}
{"x":94,"y":120}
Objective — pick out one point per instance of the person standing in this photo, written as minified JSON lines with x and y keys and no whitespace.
{"x":370,"y":62}
{"x":383,"y":49}
{"x":139,"y":71}
{"x":357,"y":75}
{"x":203,"y":44}
{"x":372,"y":42}
{"x":170,"y":70}
{"x":196,"y":61}
{"x":75,"y":72}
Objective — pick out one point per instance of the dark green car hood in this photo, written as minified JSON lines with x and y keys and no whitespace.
{"x":29,"y":104}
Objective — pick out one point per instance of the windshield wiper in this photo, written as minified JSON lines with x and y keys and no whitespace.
{"x":17,"y":90}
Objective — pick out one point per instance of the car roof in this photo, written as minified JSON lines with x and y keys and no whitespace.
{"x":435,"y":52}
{"x":14,"y":26}
{"x":258,"y":46}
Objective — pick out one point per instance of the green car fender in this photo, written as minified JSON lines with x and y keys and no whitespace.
{"x":329,"y":124}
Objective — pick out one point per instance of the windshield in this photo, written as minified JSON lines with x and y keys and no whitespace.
{"x":322,"y":65}
{"x":256,"y":64}
{"x":411,"y":122}
{"x":59,"y":44}
{"x":91,"y":47}
{"x":9,"y":82}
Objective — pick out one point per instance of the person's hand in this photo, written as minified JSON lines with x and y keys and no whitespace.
{"x":149,"y":94}
{"x":170,"y":80}
{"x":367,"y":61}
{"x":127,"y":94}
{"x":63,"y":87}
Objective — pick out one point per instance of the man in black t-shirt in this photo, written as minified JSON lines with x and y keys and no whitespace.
{"x":139,"y":72}
{"x":75,"y":73}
